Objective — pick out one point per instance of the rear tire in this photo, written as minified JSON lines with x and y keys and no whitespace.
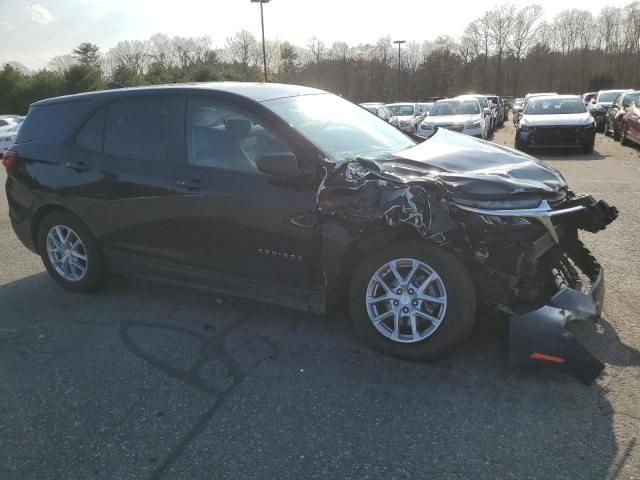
{"x":70,"y":253}
{"x":411,"y":335}
{"x":606,"y":128}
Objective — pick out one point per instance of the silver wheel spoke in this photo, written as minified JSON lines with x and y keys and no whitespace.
{"x":382,"y":317}
{"x":382,"y":283}
{"x":429,"y":298}
{"x":78,"y":255}
{"x":396,"y":327}
{"x":396,"y":273}
{"x":426,"y":282}
{"x":433,"y":320}
{"x":414,"y":328}
{"x":412,"y":272}
{"x":384,"y":298}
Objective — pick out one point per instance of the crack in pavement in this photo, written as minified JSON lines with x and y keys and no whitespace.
{"x":212,"y":348}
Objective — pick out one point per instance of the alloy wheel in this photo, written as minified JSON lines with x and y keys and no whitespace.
{"x":406,"y":300}
{"x":67,"y":253}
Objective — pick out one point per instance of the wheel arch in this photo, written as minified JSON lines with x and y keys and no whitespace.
{"x":41,"y":213}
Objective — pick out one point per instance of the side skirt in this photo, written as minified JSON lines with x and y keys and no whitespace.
{"x":167,"y":272}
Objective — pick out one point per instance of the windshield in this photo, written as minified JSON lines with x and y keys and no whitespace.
{"x":608,"y":96}
{"x":426,"y":107}
{"x":372,"y":109}
{"x":554,"y":105}
{"x":629,"y":98}
{"x":341,"y":129}
{"x":404,"y":110}
{"x":455,"y":107}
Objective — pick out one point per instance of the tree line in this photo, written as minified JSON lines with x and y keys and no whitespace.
{"x":507,"y":50}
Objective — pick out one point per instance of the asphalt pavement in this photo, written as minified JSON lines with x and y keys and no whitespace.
{"x":146,"y":381}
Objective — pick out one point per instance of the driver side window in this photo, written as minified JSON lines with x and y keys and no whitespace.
{"x":221,"y":136}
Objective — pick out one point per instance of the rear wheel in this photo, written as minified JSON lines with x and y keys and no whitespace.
{"x":412,"y":300}
{"x":70,"y":253}
{"x":616,"y":132}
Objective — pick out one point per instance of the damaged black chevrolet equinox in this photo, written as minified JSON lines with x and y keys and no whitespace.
{"x":295,"y":196}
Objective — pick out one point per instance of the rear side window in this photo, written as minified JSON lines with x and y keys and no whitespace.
{"x":41,"y":119}
{"x":91,"y":135}
{"x":139,"y":129}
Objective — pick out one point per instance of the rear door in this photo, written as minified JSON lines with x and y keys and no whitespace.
{"x":237,"y":222}
{"x":120,"y":175}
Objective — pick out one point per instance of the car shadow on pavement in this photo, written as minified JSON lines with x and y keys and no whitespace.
{"x":549,"y":155}
{"x":149,"y":381}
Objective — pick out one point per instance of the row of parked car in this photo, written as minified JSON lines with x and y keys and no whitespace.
{"x":9,"y":127}
{"x":476,"y":115}
{"x":571,"y":121}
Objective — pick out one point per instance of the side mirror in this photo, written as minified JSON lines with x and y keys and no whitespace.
{"x":486,"y":111}
{"x":278,"y":164}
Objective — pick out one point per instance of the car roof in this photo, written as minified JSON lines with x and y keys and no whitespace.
{"x":400,"y":103}
{"x":258,"y":92}
{"x":620,"y":90}
{"x":372,"y":104}
{"x":560,"y":97}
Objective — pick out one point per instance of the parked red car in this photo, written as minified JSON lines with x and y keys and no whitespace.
{"x":630,"y":128}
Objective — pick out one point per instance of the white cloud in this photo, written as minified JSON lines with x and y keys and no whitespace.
{"x":39,"y":14}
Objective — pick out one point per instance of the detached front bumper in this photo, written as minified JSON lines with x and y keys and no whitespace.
{"x":541,"y":336}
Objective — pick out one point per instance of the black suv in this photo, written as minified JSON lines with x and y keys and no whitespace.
{"x":295,"y":196}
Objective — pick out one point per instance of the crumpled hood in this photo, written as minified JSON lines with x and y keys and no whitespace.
{"x":449,"y":119}
{"x":464,"y":166}
{"x":577,"y":119}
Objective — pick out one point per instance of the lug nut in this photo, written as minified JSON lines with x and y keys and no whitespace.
{"x":405,"y":310}
{"x":411,"y":291}
{"x":415,"y":303}
{"x":396,"y":303}
{"x":399,"y":291}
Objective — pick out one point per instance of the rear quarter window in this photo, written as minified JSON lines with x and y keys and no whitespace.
{"x":41,"y":119}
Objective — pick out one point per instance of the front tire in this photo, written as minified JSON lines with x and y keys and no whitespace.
{"x":412,"y":300}
{"x":70,"y":253}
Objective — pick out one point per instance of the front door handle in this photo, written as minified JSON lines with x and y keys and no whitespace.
{"x":191,"y":184}
{"x":77,"y":166}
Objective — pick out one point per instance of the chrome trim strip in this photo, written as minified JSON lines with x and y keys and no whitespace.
{"x":542,"y":213}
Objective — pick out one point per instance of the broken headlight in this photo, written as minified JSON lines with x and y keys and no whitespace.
{"x":512,"y":204}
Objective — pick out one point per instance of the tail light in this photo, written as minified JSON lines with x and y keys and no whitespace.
{"x":9,"y":159}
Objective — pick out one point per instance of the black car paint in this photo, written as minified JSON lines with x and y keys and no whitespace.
{"x":291,"y":241}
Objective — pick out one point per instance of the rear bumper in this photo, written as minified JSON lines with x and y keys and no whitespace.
{"x":541,"y":336}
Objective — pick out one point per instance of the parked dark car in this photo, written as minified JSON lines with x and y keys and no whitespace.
{"x":559,"y":121}
{"x":616,"y":112}
{"x":382,"y":111}
{"x":298,"y":197}
{"x":630,"y":125}
{"x":599,"y":106}
{"x":500,"y":112}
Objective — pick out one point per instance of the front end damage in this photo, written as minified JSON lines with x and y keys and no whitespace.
{"x":528,"y":262}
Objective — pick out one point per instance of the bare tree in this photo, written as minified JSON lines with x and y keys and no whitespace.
{"x":242,"y":47}
{"x":160,"y":51}
{"x":523,"y":35}
{"x":61,"y":63}
{"x":317,"y":49}
{"x":501,"y":21}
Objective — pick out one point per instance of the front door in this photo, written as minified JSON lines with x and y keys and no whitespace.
{"x":235,"y":220}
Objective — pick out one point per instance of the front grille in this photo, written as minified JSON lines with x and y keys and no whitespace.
{"x":556,"y":136}
{"x":454,"y":127}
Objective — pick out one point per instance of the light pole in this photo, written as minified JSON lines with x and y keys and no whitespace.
{"x":399,"y":42}
{"x":264,"y":48}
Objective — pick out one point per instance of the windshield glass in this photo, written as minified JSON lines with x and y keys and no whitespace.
{"x":404,"y":110}
{"x":554,"y":105}
{"x":455,"y":107}
{"x":629,"y":98}
{"x":426,"y":107}
{"x":608,"y":96}
{"x":342,"y":130}
{"x":372,"y":109}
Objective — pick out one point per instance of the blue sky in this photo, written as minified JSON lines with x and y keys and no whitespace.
{"x":35,"y":31}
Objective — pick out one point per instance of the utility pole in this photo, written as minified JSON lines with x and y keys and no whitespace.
{"x":399,"y":42}
{"x":264,"y":48}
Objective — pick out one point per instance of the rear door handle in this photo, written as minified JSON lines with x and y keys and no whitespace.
{"x":191,"y":184}
{"x":77,"y":166}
